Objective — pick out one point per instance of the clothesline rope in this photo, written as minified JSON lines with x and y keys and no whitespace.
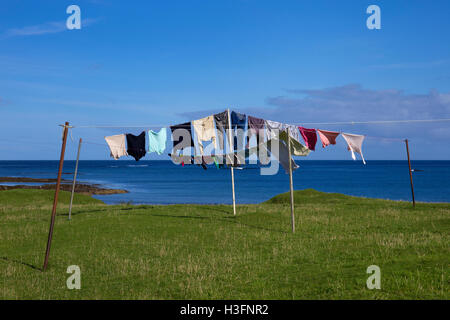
{"x":295,"y":124}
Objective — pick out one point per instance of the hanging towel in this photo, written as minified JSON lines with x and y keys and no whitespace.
{"x":116,"y":145}
{"x":327,"y":137}
{"x":297,"y":149}
{"x":204,"y":131}
{"x":184,"y":126}
{"x":354,"y":142}
{"x":272,"y":127}
{"x":269,"y":146}
{"x":310,"y":137}
{"x":282,"y":155}
{"x":255,"y":125}
{"x":157,"y":141}
{"x":221,"y":120}
{"x":136,"y":145}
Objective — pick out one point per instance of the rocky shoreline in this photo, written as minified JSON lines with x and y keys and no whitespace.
{"x":66,"y":185}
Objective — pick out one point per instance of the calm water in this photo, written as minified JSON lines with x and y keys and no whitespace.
{"x":162,"y":182}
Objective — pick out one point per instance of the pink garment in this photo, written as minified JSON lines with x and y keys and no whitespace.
{"x":327,"y":137}
{"x":310,"y":137}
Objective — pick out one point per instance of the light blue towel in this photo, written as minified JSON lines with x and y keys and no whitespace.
{"x":157,"y":141}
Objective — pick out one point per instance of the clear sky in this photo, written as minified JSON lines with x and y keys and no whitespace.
{"x":166,"y":62}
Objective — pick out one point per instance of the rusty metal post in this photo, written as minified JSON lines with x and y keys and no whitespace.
{"x":55,"y":200}
{"x":410,"y":173}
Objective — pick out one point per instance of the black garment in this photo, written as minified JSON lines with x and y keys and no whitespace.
{"x":237,"y":122}
{"x":203,"y":164}
{"x":136,"y":145}
{"x":222,"y":124}
{"x":185,"y":126}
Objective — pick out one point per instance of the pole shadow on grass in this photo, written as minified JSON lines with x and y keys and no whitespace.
{"x":20,"y":262}
{"x":263,"y":228}
{"x":80,"y":212}
{"x":228,"y":218}
{"x":173,"y":216}
{"x":232,"y":219}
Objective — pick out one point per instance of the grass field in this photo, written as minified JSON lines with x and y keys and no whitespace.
{"x":204,"y":252}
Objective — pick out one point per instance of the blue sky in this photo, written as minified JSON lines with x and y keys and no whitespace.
{"x":166,"y":62}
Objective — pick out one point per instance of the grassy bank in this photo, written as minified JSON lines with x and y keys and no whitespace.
{"x":203,"y":252}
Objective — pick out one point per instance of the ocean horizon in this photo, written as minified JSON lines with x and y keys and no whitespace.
{"x":162,"y":182}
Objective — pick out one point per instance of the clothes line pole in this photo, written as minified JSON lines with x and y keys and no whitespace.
{"x":74,"y":179}
{"x":55,"y":199}
{"x":410,"y":173}
{"x":291,"y":184}
{"x":232,"y":169}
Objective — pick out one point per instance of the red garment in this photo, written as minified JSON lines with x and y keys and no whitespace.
{"x":327,"y":137}
{"x":310,"y":137}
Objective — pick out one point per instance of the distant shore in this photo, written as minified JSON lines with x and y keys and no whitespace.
{"x":66,"y":185}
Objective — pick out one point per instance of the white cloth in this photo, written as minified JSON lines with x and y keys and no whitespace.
{"x":293,"y":131}
{"x":273,"y":129}
{"x":273,"y":126}
{"x":354,"y":142}
{"x":116,"y":145}
{"x":204,"y":131}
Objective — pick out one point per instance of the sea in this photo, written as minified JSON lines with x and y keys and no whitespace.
{"x":163,"y":182}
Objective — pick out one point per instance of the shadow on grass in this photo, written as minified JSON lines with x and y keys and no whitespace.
{"x":261,"y":228}
{"x":79,"y":212}
{"x":20,"y":262}
{"x":232,"y":219}
{"x":173,"y":216}
{"x":218,"y":210}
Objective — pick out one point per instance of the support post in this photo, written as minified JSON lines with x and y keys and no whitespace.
{"x":291,"y":184}
{"x":231,"y":145}
{"x":55,"y":200}
{"x":74,"y":179}
{"x":410,"y":173}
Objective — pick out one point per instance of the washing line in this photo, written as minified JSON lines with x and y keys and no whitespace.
{"x":298,"y":124}
{"x":294,"y":124}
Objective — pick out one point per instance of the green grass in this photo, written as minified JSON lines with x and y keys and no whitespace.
{"x":203,"y":252}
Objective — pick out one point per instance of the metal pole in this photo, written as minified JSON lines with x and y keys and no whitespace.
{"x":291,"y":182}
{"x":410,"y":173}
{"x":74,"y":179}
{"x":55,"y":200}
{"x":231,"y":144}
